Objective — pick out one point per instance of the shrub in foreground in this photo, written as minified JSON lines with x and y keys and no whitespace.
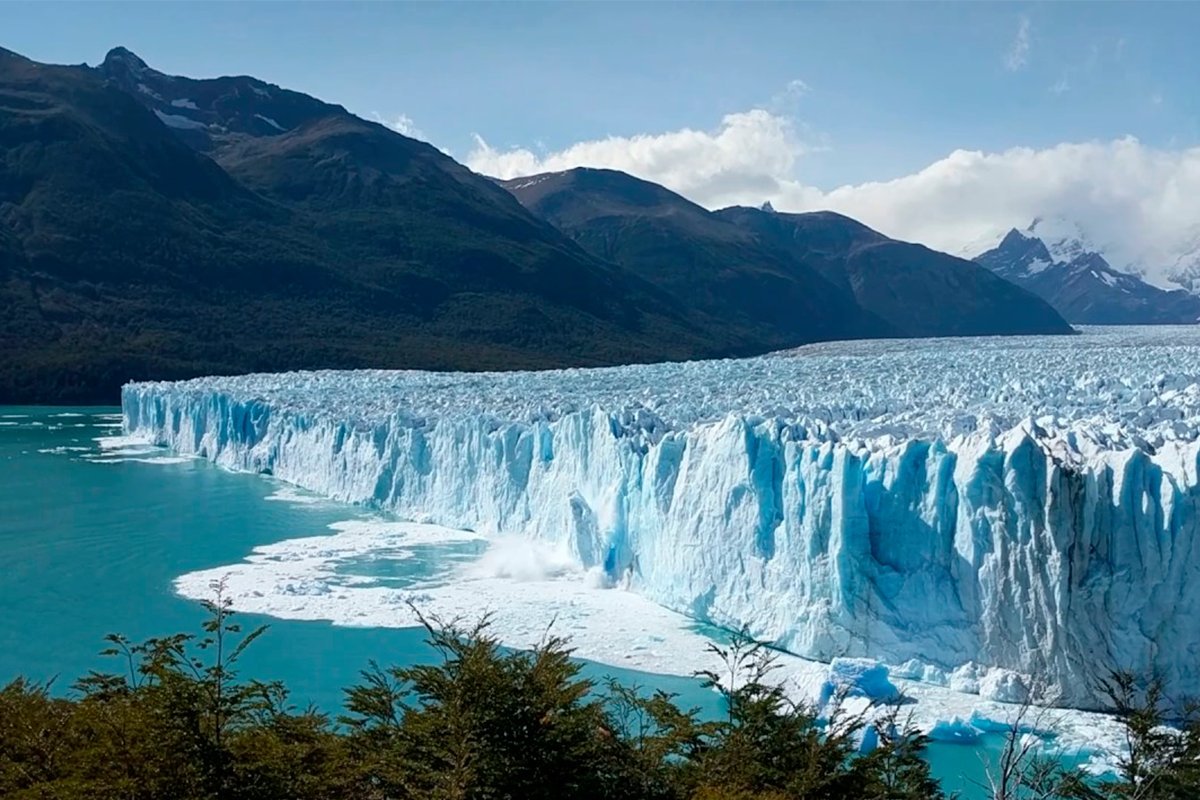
{"x":176,"y":722}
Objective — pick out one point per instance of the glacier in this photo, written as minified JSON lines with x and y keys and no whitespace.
{"x":1005,"y":516}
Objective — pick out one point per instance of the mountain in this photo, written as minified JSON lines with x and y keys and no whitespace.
{"x":137,"y":247}
{"x":917,"y":291}
{"x":157,"y":227}
{"x":1169,"y":261}
{"x":706,"y":262}
{"x":755,"y":265}
{"x":1081,"y":284}
{"x":211,"y":113}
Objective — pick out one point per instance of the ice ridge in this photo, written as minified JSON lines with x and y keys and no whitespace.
{"x":1001,"y":515}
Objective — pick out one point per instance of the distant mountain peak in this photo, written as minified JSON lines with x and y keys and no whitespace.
{"x":1065,"y":239}
{"x":1014,"y":237}
{"x":1054,"y":258}
{"x":127,"y":58}
{"x":767,"y":207}
{"x":213,"y":113}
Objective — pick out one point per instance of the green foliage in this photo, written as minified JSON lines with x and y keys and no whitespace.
{"x":176,"y":722}
{"x":1161,"y":762}
{"x":894,"y":770}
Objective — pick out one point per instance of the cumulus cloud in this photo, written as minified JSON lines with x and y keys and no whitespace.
{"x":1018,"y":52}
{"x":745,"y":156}
{"x":1140,"y":203}
{"x":400,"y":123}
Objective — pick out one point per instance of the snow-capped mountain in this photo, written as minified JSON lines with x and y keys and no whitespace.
{"x":1170,"y":262}
{"x":1056,"y":260}
{"x":1184,"y":270}
{"x":206,"y":113}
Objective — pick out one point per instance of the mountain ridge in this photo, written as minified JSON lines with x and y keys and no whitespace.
{"x":157,"y":227}
{"x":837,"y":271}
{"x":697,"y":257}
{"x":133,"y":254}
{"x":1082,"y":285}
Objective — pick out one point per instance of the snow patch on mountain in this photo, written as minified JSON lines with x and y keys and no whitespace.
{"x":271,"y":122}
{"x":1038,"y":265}
{"x":178,"y":121}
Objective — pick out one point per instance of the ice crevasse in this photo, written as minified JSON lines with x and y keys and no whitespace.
{"x":998,"y":515}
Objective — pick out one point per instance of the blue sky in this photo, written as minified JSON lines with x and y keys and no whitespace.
{"x":978,"y":116}
{"x":892,"y":87}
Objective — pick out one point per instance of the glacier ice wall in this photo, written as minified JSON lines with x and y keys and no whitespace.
{"x":980,"y":511}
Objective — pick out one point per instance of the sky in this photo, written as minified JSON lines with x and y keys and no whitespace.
{"x":939,"y":122}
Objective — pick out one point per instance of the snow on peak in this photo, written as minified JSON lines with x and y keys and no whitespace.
{"x":1065,"y":239}
{"x":984,"y":242}
{"x":1168,"y":264}
{"x":1184,"y":269}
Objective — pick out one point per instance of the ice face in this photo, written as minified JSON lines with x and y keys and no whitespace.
{"x":1004,"y":512}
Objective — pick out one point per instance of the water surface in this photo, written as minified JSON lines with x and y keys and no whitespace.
{"x":92,"y":539}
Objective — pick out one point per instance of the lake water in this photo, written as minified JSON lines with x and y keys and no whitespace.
{"x":93,"y":537}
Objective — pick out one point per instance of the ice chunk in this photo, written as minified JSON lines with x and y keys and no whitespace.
{"x":965,"y":679}
{"x":989,"y":724}
{"x":1003,"y":686}
{"x":916,"y":670}
{"x":859,"y":677}
{"x":955,"y":730}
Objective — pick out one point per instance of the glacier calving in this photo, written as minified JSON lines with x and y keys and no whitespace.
{"x":999,"y":515}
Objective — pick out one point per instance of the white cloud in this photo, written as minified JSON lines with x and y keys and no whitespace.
{"x":1142,"y":203}
{"x":796,"y":88}
{"x":786,"y":102}
{"x":746,"y":156}
{"x":400,"y":123}
{"x":1018,"y":53}
{"x":1061,"y":86}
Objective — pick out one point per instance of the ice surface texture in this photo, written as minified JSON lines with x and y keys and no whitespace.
{"x":1008,"y":513}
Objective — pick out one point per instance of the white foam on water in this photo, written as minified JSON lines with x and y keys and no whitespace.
{"x":531,"y":589}
{"x":64,"y":450}
{"x":14,"y":416}
{"x":160,"y":460}
{"x":66,"y":415}
{"x":124,"y":442}
{"x":290,"y":494}
{"x":8,"y":424}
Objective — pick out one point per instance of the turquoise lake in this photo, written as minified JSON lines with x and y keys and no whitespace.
{"x":91,"y":545}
